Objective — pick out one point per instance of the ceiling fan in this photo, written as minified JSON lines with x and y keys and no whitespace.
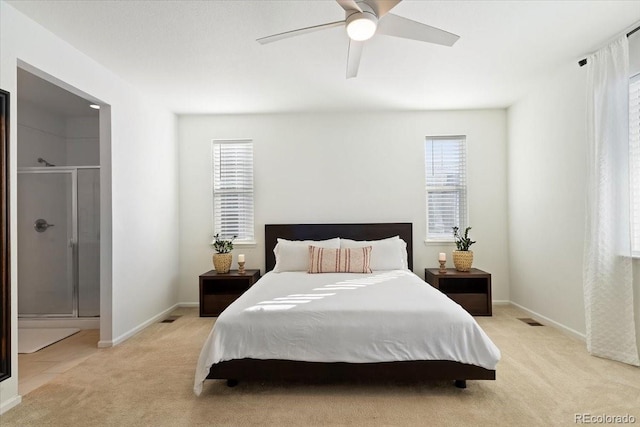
{"x":363,"y":19}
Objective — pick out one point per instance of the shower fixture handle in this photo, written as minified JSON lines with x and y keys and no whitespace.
{"x":41,"y":225}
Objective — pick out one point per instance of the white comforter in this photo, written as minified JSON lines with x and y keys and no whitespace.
{"x":342,"y":317}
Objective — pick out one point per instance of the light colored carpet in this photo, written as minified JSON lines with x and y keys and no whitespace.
{"x":31,"y":340}
{"x":543,"y":379}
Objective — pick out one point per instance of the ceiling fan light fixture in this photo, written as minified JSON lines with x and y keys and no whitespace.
{"x":361,"y":26}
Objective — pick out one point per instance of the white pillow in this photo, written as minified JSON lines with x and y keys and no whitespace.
{"x":293,"y":255}
{"x":386,"y":254}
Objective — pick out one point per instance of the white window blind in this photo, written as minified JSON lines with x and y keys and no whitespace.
{"x":634,"y":157}
{"x":233,"y":189}
{"x":446,"y":186}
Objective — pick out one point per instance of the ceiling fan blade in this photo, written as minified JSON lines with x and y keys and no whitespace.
{"x":349,"y":5}
{"x":397,"y":26}
{"x":298,"y":32}
{"x":382,"y":7}
{"x":353,"y":58}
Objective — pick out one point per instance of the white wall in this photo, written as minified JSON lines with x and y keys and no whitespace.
{"x":139,"y":180}
{"x":63,"y":141}
{"x":82,"y":137}
{"x":347,"y":167}
{"x":42,"y":134}
{"x":547,"y":172}
{"x":547,"y":197}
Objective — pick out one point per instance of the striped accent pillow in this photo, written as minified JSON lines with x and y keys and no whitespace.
{"x":328,"y":260}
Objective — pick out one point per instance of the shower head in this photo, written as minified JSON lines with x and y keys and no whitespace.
{"x":41,"y":160}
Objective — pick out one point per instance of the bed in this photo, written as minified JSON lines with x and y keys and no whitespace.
{"x":344,"y":326}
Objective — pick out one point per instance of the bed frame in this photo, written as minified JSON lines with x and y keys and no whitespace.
{"x":418,"y":370}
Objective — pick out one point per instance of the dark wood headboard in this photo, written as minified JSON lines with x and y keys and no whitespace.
{"x":374,"y":231}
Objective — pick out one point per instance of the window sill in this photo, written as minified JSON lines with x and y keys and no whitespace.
{"x":245,"y":244}
{"x":439,"y":242}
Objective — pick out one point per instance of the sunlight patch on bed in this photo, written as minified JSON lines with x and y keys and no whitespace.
{"x":372,"y":280}
{"x":292,"y":300}
{"x":286,"y":302}
{"x":270,"y":307}
{"x":311,"y":295}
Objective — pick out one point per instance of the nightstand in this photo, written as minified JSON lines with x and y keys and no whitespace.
{"x":218,"y":291}
{"x":472,"y":289}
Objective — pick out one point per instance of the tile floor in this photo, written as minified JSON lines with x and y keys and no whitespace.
{"x":36,"y":369}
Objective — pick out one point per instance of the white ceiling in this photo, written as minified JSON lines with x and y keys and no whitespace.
{"x":202,"y":57}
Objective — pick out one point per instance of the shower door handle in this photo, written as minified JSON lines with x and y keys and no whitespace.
{"x":41,"y":225}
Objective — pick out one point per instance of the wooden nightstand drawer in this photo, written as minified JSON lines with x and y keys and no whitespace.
{"x":475,"y":304}
{"x":226,"y":286}
{"x":216,"y":303}
{"x":218,"y":291}
{"x":472,"y":290}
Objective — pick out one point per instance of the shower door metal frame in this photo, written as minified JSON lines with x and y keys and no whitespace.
{"x":73,"y":242}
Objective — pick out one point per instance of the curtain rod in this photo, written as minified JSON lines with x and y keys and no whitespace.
{"x":583,"y":61}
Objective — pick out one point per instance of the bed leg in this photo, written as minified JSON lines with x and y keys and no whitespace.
{"x":232,"y":383}
{"x":461,"y":383}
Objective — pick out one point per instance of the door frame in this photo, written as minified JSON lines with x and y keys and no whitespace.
{"x":5,"y":256}
{"x":106,"y":225}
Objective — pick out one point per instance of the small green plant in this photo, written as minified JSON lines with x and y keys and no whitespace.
{"x":462,"y":242}
{"x":222,"y":246}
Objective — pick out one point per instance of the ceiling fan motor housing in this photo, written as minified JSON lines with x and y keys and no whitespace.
{"x":361,"y":25}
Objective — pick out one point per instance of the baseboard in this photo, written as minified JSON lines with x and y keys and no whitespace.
{"x":140,"y":327}
{"x":10,"y":404}
{"x":545,"y":319}
{"x":500,"y":302}
{"x":188,"y":304}
{"x":52,"y":322}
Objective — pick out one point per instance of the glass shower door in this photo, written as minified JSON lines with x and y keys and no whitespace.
{"x":89,"y":242}
{"x":46,"y":243}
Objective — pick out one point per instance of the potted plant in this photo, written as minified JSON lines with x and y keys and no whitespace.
{"x":463,"y":257}
{"x":222,"y":258}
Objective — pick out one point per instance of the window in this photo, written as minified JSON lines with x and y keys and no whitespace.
{"x":233,"y":189}
{"x":446,"y":186}
{"x":634,"y":165}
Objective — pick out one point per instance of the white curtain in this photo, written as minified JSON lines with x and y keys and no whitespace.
{"x":608,"y":276}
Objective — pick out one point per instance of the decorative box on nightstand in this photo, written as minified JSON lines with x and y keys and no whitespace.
{"x":472,"y":290}
{"x":218,"y":291}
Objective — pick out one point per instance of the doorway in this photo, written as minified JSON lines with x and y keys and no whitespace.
{"x":58,"y":192}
